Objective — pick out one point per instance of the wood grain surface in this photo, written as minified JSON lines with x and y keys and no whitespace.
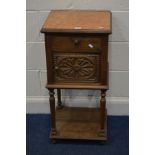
{"x":78,"y":21}
{"x":79,"y":123}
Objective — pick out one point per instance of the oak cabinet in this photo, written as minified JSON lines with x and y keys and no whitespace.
{"x":77,"y":58}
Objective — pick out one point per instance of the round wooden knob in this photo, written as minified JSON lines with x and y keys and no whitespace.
{"x":76,"y":41}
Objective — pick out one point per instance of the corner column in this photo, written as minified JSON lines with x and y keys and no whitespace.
{"x":52,"y":109}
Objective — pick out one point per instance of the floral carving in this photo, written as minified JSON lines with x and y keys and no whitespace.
{"x":78,"y":68}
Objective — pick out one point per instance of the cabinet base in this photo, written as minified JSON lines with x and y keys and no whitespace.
{"x":79,"y":123}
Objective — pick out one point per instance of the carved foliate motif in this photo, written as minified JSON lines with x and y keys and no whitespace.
{"x":76,"y":67}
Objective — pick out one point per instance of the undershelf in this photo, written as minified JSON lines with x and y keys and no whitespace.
{"x":78,"y":123}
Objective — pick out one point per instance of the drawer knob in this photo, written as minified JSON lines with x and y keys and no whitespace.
{"x":76,"y":42}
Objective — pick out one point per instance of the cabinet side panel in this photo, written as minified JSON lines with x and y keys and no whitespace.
{"x":49,"y":62}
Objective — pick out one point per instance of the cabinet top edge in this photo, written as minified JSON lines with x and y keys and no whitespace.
{"x":78,"y":21}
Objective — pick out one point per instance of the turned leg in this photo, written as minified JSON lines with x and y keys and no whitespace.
{"x":59,"y":98}
{"x":52,"y":109}
{"x":102,"y":112}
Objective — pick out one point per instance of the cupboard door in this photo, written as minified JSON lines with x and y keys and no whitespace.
{"x":76,"y":68}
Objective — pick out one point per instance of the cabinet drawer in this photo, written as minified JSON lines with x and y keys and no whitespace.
{"x":61,"y":43}
{"x":79,"y":68}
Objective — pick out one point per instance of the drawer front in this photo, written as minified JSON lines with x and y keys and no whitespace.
{"x":62,"y":43}
{"x":76,"y":68}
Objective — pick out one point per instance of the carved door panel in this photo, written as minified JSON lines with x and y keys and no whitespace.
{"x":76,"y":68}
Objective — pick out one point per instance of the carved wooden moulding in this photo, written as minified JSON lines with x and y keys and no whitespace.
{"x":80,"y":68}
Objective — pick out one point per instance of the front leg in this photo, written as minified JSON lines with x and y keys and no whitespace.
{"x":52,"y":109}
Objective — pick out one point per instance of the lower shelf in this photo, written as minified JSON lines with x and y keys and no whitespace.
{"x":79,"y":123}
